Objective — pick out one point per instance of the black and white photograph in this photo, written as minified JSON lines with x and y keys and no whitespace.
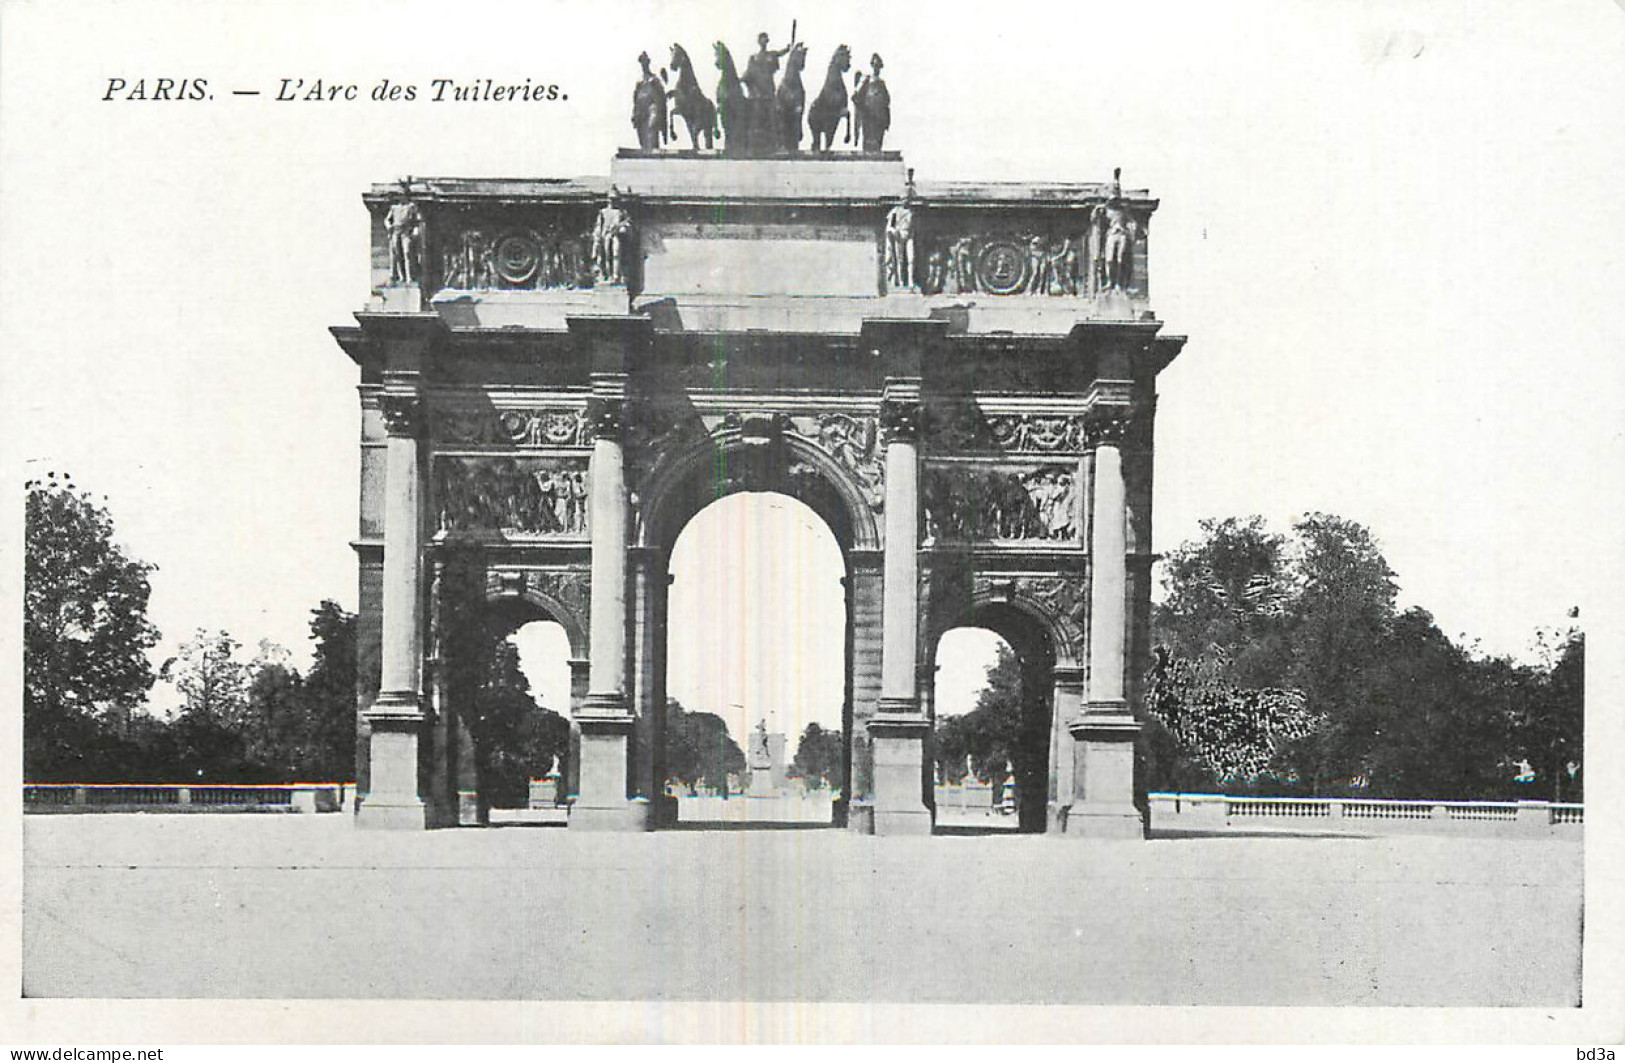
{"x":712,"y":523}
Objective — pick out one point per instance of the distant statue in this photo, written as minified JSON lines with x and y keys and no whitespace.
{"x":900,"y":244}
{"x":689,"y":102}
{"x":1114,"y":228}
{"x":404,"y":226}
{"x":791,"y":100}
{"x":828,"y":109}
{"x":649,"y":108}
{"x":871,"y":107}
{"x":758,"y":744}
{"x":609,"y":241}
{"x":733,"y":106}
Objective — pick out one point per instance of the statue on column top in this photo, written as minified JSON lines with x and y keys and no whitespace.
{"x":1114,"y":230}
{"x":609,"y":240}
{"x":900,"y":242}
{"x":404,"y":226}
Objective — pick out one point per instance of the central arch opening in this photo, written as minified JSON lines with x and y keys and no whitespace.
{"x":756,"y":675}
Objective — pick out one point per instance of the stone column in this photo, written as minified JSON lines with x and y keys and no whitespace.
{"x":605,"y":716}
{"x":864,"y":607}
{"x":650,"y":581}
{"x":899,"y":729}
{"x":396,"y":718}
{"x":1105,"y":732}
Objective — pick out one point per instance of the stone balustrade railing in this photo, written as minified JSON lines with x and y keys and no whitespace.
{"x":1363,"y":815}
{"x":213,"y":797}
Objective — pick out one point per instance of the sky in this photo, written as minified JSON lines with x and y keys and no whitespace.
{"x":1392,"y":233}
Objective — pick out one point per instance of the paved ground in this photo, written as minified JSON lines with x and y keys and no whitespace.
{"x":305,"y":906}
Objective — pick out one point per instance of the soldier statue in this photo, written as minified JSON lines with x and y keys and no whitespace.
{"x":900,"y":244}
{"x":609,"y":240}
{"x":404,"y":225}
{"x":1114,"y":230}
{"x":871,"y":108}
{"x":649,"y":108}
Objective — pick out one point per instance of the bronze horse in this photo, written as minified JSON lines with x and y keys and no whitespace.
{"x":698,"y":113}
{"x":791,"y":99}
{"x":829,"y":109}
{"x":733,"y":108}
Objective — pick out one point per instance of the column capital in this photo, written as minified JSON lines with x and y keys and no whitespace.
{"x":606,"y":417}
{"x":403,"y":414}
{"x":1107,"y":425}
{"x":900,"y":416}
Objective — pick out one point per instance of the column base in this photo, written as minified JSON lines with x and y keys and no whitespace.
{"x":1103,"y":774}
{"x":395,"y":803}
{"x":1104,"y":821}
{"x":629,"y":817}
{"x":379,"y":815}
{"x":898,"y":738}
{"x":902,"y":821}
{"x":606,"y":734}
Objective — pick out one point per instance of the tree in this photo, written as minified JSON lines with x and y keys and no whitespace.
{"x":1285,"y":665}
{"x":330,"y":693}
{"x":1222,"y":733}
{"x":515,"y":740}
{"x":698,"y":749}
{"x":986,"y":738}
{"x":1229,"y":589}
{"x":85,"y":629}
{"x":818,"y":758}
{"x":212,"y":682}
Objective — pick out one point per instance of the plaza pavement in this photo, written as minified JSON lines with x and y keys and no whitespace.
{"x":307,"y":906}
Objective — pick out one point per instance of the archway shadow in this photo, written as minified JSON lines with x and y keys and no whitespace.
{"x":750,"y":825}
{"x":960,"y":830}
{"x":1170,"y":834}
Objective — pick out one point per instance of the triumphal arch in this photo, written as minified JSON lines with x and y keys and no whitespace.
{"x":957,"y":377}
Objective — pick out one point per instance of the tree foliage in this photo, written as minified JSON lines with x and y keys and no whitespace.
{"x":818,"y":760}
{"x":985,"y":740}
{"x":515,"y":739}
{"x":698,"y":749}
{"x":85,"y":629}
{"x":1285,"y":666}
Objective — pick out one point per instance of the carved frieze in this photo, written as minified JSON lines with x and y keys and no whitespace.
{"x":478,"y":255}
{"x":558,"y":427}
{"x":962,"y":427}
{"x":531,"y":497}
{"x":1006,"y":263}
{"x":964,"y":504}
{"x":1066,"y":597}
{"x":854,"y":443}
{"x":572,"y":588}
